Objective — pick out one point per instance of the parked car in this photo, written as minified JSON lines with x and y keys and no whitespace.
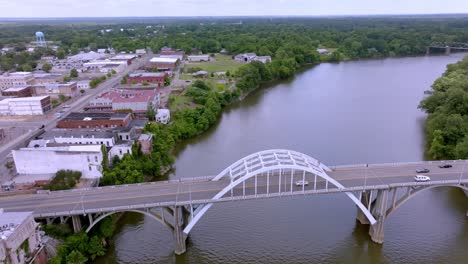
{"x":422,"y":170}
{"x":302,"y":183}
{"x":422,"y":178}
{"x":445,"y":166}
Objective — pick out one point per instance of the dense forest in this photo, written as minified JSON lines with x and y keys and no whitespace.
{"x":447,"y":124}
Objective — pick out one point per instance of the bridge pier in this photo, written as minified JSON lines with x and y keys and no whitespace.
{"x":376,"y":231}
{"x":365,"y":200}
{"x":76,"y":221}
{"x":448,"y":50}
{"x":179,"y":235}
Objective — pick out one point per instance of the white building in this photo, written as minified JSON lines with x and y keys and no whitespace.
{"x":49,"y":160}
{"x":120,"y":151}
{"x":18,"y":237}
{"x":163,"y":116}
{"x":198,"y":58}
{"x":140,"y":51}
{"x":174,"y":56}
{"x":323,"y":51}
{"x":86,"y":57}
{"x":83,"y":84}
{"x":80,"y":137}
{"x":249,"y":57}
{"x":25,"y":105}
{"x":262,"y":59}
{"x":245,"y":57}
{"x":105,"y":66}
{"x":16,"y":79}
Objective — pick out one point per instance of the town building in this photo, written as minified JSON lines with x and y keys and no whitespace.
{"x":323,"y":52}
{"x":262,"y":59}
{"x":86,"y":57}
{"x":136,"y":100}
{"x":140,"y":52}
{"x":83,"y":85}
{"x":200,"y":74}
{"x":105,"y":66}
{"x":37,"y":105}
{"x":48,"y":58}
{"x":245,"y":57}
{"x":15,"y":79}
{"x":124,"y":57}
{"x":101,"y":51}
{"x":20,"y":91}
{"x":46,"y":78}
{"x":86,"y":159}
{"x":67,"y":65}
{"x":56,"y":89}
{"x":79,"y":137}
{"x":19,"y":237}
{"x":163,"y":116}
{"x":120,"y":150}
{"x":169,"y":51}
{"x":179,"y":57}
{"x":163,"y":64}
{"x":249,"y":57}
{"x":95,"y":120}
{"x":148,"y":77}
{"x":198,"y":58}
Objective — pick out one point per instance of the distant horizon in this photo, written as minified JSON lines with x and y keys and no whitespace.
{"x":243,"y":16}
{"x":27,"y":9}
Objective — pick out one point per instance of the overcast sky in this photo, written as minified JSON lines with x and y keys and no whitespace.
{"x":106,"y":8}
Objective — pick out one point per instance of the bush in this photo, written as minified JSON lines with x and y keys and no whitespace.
{"x":64,"y":180}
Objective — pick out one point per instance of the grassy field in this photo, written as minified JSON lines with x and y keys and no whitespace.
{"x":181,"y":102}
{"x":223,"y":63}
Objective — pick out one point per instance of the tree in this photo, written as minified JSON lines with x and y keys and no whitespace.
{"x":82,"y":91}
{"x":75,"y":257}
{"x":73,"y":73}
{"x":61,"y":54}
{"x":150,"y":112}
{"x":113,"y":72}
{"x":167,"y":81}
{"x":26,"y":68}
{"x":46,"y":67}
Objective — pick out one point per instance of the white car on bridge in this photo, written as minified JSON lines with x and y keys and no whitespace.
{"x":422,"y":178}
{"x":302,"y":183}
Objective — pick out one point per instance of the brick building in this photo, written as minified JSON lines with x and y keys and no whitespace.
{"x":20,"y":91}
{"x":16,"y":79}
{"x":163,"y":64}
{"x":117,"y":100}
{"x":55,"y":89}
{"x":95,"y":120}
{"x":149,"y":77}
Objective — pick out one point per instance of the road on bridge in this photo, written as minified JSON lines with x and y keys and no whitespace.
{"x":186,"y":191}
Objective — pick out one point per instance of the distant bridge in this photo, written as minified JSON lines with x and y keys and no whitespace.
{"x":447,"y":47}
{"x":376,"y":189}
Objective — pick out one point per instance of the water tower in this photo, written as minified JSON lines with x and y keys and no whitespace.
{"x":40,"y":39}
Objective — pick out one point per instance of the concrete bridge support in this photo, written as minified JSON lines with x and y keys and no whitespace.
{"x":180,"y":221}
{"x":379,"y":211}
{"x":366,"y":201}
{"x":448,"y":50}
{"x":76,"y":221}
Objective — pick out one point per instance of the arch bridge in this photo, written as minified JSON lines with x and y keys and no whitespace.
{"x":376,"y":190}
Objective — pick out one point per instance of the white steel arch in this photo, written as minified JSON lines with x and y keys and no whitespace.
{"x":150,"y":214}
{"x":407,"y":197}
{"x":268,"y":161}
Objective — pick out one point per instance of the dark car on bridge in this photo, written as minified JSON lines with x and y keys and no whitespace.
{"x":445,"y":166}
{"x":422,"y":170}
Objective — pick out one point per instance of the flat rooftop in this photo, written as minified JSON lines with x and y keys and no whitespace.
{"x":147,"y":74}
{"x":95,"y":116}
{"x":16,"y":89}
{"x":164,"y":60}
{"x":25,"y":99}
{"x":74,"y":133}
{"x":10,"y":221}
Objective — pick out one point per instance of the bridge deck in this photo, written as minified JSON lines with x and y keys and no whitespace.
{"x":202,"y":190}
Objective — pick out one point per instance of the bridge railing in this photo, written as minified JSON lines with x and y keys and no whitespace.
{"x":397,"y":164}
{"x":249,"y":197}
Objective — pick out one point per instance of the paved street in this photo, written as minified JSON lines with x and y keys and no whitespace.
{"x":204,"y":189}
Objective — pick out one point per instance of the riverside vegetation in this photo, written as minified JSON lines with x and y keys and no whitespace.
{"x":447,"y":108}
